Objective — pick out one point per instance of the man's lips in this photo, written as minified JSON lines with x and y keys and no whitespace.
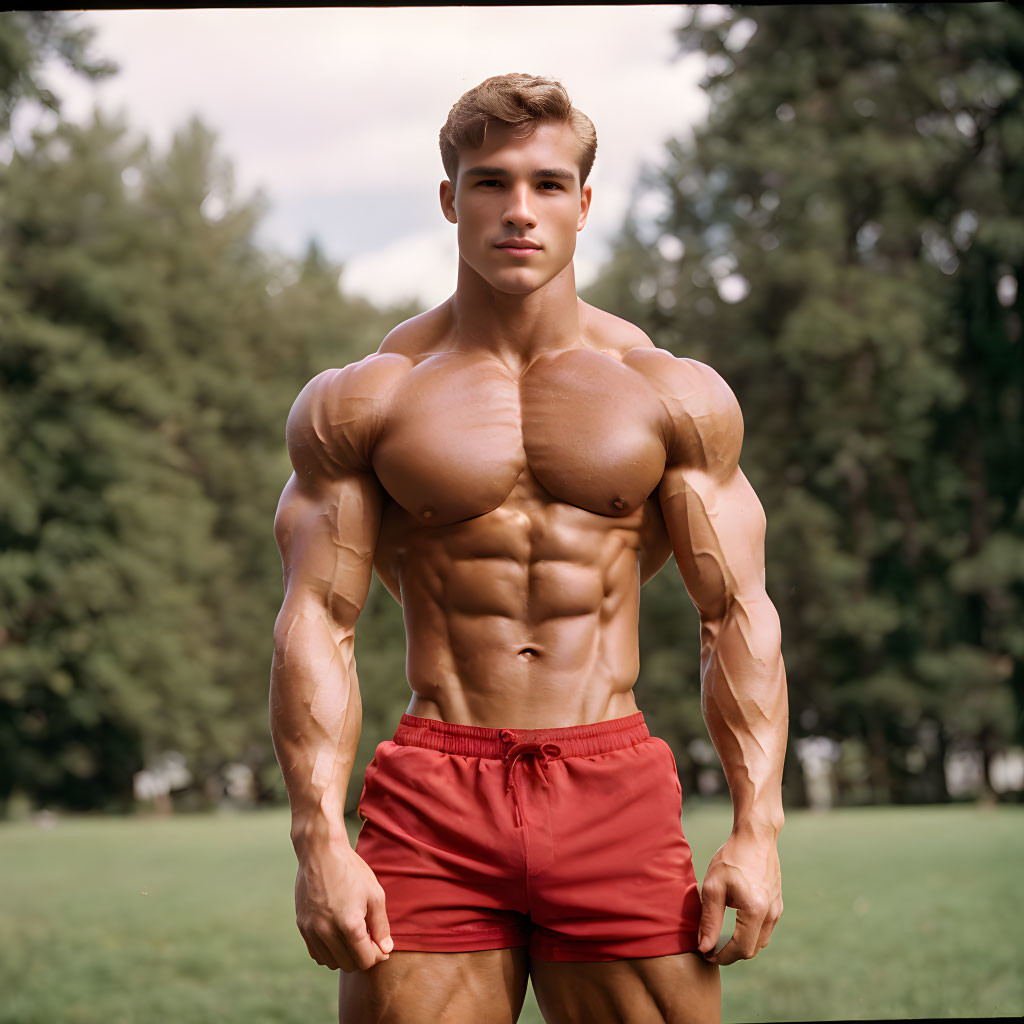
{"x":519,"y":246}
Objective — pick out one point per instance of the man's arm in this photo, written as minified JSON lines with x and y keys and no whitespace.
{"x":717,"y":526}
{"x":326,"y":527}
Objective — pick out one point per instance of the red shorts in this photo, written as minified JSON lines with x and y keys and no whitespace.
{"x":565,"y":840}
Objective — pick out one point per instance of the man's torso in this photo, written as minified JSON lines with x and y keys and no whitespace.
{"x":520,"y":517}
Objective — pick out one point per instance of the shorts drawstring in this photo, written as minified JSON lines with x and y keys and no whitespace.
{"x":542,"y":752}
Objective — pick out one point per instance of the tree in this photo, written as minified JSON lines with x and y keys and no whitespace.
{"x":151,"y":351}
{"x":27,"y":40}
{"x":843,"y":241}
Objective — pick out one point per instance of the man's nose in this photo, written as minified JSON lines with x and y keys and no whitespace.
{"x":519,"y":212}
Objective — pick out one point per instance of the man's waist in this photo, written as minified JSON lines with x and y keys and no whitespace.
{"x":501,"y":743}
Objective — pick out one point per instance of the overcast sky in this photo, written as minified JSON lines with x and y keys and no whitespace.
{"x":334,"y":113}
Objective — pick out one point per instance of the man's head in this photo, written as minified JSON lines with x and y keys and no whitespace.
{"x":517,"y":154}
{"x":518,"y":102}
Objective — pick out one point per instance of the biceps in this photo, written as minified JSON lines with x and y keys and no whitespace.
{"x":717,"y":531}
{"x":327,"y":537}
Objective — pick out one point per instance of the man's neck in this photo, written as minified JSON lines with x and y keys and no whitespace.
{"x":516,"y":328}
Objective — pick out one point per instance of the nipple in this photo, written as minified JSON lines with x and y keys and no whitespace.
{"x":427,"y":512}
{"x":618,"y":503}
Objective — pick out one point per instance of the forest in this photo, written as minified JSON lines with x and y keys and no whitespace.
{"x":842,"y":240}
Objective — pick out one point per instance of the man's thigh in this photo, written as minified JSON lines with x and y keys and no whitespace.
{"x":679,"y":989}
{"x":481,"y":987}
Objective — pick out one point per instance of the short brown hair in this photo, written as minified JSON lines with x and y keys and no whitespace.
{"x":519,"y":101}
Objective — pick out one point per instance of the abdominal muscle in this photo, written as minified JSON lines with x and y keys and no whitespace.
{"x":525,"y":617}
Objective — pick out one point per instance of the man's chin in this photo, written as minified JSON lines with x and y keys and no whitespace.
{"x":515,"y":281}
{"x":520,"y":282}
{"x":518,"y":288}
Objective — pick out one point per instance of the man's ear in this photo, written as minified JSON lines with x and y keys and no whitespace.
{"x":585,"y":193}
{"x":448,"y":202}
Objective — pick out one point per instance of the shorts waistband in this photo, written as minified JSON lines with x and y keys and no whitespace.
{"x":478,"y":741}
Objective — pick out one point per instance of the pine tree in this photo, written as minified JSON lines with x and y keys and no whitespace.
{"x":27,"y":40}
{"x":843,"y":241}
{"x":151,"y":351}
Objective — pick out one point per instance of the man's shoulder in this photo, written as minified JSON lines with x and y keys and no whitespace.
{"x":677,"y":376}
{"x":683,"y":381}
{"x":362,"y":386}
{"x":611,"y":334}
{"x":354,"y":390}
{"x":368,"y":381}
{"x":703,"y":423}
{"x":338,"y":416}
{"x":419,"y":336}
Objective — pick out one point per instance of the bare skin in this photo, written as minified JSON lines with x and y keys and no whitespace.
{"x":515,"y":464}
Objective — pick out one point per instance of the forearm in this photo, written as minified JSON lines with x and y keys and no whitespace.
{"x":743,"y":688}
{"x":315,"y":716}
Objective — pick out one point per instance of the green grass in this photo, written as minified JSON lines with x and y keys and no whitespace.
{"x":889,"y":913}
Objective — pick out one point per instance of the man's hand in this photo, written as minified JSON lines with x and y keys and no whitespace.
{"x":743,"y":874}
{"x":339,"y":908}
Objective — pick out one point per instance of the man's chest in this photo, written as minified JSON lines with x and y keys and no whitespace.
{"x":459,"y":433}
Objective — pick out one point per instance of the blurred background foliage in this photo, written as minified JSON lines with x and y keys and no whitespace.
{"x":842,"y":240}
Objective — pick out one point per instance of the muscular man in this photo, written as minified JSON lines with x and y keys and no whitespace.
{"x":515,"y":464}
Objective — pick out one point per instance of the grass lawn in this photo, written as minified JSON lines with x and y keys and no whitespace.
{"x":889,"y":913}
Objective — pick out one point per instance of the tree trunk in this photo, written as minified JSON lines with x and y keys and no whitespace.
{"x":936,"y":769}
{"x":878,"y":764}
{"x":989,"y":748}
{"x":794,"y":785}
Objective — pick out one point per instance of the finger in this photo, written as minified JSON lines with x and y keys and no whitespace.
{"x":744,"y":942}
{"x":339,"y":952}
{"x":712,"y":914}
{"x":347,"y":964}
{"x":377,"y":925}
{"x":363,"y":949}
{"x":769,"y":924}
{"x":319,"y":952}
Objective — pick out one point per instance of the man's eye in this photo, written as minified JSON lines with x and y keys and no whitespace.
{"x":490,"y":181}
{"x":551,"y":186}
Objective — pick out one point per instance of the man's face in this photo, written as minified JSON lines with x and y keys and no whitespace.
{"x":518,"y":206}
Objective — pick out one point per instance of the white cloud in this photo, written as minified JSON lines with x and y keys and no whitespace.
{"x":422,"y":265}
{"x":339,"y":104}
